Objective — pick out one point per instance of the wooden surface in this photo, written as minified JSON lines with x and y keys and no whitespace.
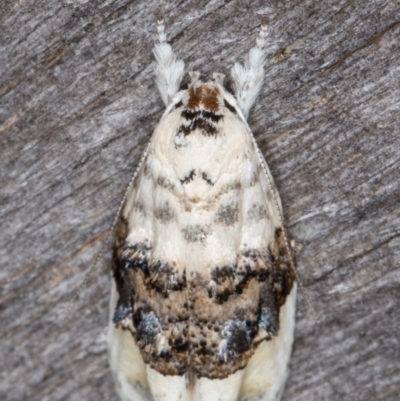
{"x":78,"y":103}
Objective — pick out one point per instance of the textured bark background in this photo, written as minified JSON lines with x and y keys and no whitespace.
{"x":78,"y":104}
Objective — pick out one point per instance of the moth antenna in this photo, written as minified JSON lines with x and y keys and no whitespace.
{"x":247,"y":80}
{"x":109,"y":232}
{"x":169,"y":68}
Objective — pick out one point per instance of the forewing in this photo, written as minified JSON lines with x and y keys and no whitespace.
{"x":236,"y":260}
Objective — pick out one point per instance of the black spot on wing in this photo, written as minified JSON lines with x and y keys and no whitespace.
{"x":229,"y":107}
{"x":188,"y":178}
{"x":165,"y":278}
{"x":201,"y":114}
{"x":284,"y":275}
{"x":269,"y":309}
{"x":221,"y":274}
{"x":166,"y":183}
{"x":238,"y":337}
{"x":164,"y":213}
{"x":257,"y":212}
{"x":124,"y":306}
{"x":205,"y":177}
{"x":158,"y":275}
{"x":233,"y":279}
{"x":147,"y":326}
{"x":203,"y":120}
{"x":206,"y":127}
{"x":228,"y":86}
{"x":227,"y":215}
{"x":136,"y":256}
{"x":196,"y":233}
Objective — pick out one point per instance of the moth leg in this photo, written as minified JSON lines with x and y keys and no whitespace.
{"x":169,"y":68}
{"x":248,"y":79}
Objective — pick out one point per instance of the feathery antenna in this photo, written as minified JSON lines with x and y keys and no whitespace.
{"x":169,"y":69}
{"x":248,"y":79}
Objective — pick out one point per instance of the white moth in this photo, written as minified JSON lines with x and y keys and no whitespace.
{"x":203,"y":296}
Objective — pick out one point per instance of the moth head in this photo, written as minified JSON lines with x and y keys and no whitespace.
{"x":211,"y":96}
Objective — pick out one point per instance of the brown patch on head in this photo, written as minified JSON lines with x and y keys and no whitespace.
{"x":204,"y":95}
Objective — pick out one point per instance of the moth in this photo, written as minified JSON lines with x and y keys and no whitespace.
{"x":203,"y":294}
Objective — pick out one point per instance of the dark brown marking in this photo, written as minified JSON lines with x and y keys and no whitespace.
{"x":227,"y":215}
{"x":146,"y":172}
{"x":269,"y":310}
{"x":205,"y":177}
{"x":164,"y":213}
{"x":226,"y":188}
{"x":165,"y":183}
{"x":229,"y":107}
{"x":124,"y":306}
{"x":164,"y":278}
{"x":233,"y":279}
{"x":139,"y":207}
{"x":284,"y":275}
{"x":208,"y":128}
{"x":188,"y":178}
{"x":255,"y":178}
{"x":257,"y":212}
{"x":238,"y":336}
{"x":196,"y":233}
{"x":171,"y":360}
{"x":136,"y":256}
{"x":201,"y":114}
{"x":203,"y":120}
{"x":147,"y":326}
{"x":159,"y":276}
{"x":160,"y":302}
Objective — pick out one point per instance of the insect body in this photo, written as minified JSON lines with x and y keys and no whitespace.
{"x":204,"y":289}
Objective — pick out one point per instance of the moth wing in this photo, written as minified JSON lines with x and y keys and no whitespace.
{"x":146,"y":266}
{"x":266,"y":372}
{"x":127,"y":365}
{"x":241,"y":232}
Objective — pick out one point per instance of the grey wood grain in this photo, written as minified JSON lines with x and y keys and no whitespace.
{"x":78,"y":103}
